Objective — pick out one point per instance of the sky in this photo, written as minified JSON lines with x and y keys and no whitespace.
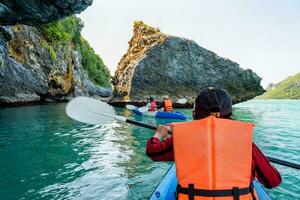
{"x":261,"y":35}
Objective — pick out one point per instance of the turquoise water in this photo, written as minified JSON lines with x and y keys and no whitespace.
{"x":45,"y":155}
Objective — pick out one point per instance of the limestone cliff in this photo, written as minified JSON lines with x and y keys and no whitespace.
{"x":33,"y":12}
{"x":157,"y":64}
{"x":144,"y":38}
{"x":48,"y":62}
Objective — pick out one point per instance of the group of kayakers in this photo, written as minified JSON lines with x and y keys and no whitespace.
{"x":214,"y":154}
{"x":166,"y":105}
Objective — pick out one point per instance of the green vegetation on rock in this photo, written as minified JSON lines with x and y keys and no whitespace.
{"x":93,"y":64}
{"x":68,"y":31}
{"x":65,"y":30}
{"x":286,"y":89}
{"x":46,"y":45}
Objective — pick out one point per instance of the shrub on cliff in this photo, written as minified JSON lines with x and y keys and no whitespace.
{"x":65,"y":30}
{"x":93,"y":64}
{"x":68,"y":30}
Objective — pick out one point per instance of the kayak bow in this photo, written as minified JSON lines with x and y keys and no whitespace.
{"x":166,"y":190}
{"x":159,"y":114}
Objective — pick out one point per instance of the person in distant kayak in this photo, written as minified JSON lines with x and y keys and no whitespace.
{"x":167,"y":104}
{"x":214,"y":155}
{"x":151,"y":105}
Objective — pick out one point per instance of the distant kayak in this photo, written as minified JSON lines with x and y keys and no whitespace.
{"x":166,"y":190}
{"x":159,"y":114}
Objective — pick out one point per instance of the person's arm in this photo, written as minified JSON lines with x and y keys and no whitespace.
{"x":266,"y":174}
{"x":159,"y":150}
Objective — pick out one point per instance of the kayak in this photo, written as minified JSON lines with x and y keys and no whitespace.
{"x":166,"y":190}
{"x":159,"y":114}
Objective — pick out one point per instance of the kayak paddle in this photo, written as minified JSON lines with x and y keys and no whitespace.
{"x":130,"y":107}
{"x":181,"y":101}
{"x":141,"y":109}
{"x":92,"y":111}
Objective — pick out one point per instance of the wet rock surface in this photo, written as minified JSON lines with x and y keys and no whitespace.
{"x":95,"y":90}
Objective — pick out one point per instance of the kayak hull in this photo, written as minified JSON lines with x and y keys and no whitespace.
{"x":166,"y":190}
{"x":158,"y":114}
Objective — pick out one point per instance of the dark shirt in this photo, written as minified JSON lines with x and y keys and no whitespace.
{"x":261,"y":168}
{"x":161,"y":105}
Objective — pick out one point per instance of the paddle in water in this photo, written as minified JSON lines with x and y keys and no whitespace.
{"x":92,"y":111}
{"x":132,"y":107}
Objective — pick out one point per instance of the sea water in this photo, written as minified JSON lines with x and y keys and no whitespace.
{"x":46,"y":155}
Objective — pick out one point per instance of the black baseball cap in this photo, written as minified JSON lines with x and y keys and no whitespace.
{"x":213,"y":100}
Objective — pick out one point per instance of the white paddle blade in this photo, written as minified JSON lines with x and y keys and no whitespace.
{"x":130,"y":107}
{"x":89,"y":111}
{"x":182,"y":101}
{"x":143,"y":109}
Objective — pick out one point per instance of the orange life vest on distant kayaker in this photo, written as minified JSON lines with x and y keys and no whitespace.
{"x":168,"y":105}
{"x":152,"y":106}
{"x":213,"y":159}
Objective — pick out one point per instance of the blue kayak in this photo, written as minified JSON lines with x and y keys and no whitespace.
{"x":159,"y":114}
{"x":166,"y":190}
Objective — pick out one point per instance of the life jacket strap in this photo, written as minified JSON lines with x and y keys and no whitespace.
{"x":252,"y":191}
{"x":235,"y":192}
{"x":191,"y":191}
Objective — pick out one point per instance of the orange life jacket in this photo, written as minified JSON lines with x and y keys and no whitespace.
{"x":213,"y":159}
{"x":168,"y":105}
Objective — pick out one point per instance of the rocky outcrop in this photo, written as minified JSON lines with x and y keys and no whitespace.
{"x":156,"y":64}
{"x":34,"y":12}
{"x":33,"y":69}
{"x":95,"y":90}
{"x":46,"y":62}
{"x":288,"y":88}
{"x":29,"y":73}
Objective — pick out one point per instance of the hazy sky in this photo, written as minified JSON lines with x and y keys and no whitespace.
{"x":261,"y":35}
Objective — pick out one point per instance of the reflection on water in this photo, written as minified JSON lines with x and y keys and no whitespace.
{"x":45,"y":155}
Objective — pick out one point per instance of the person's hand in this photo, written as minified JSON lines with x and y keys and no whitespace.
{"x":162,"y":132}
